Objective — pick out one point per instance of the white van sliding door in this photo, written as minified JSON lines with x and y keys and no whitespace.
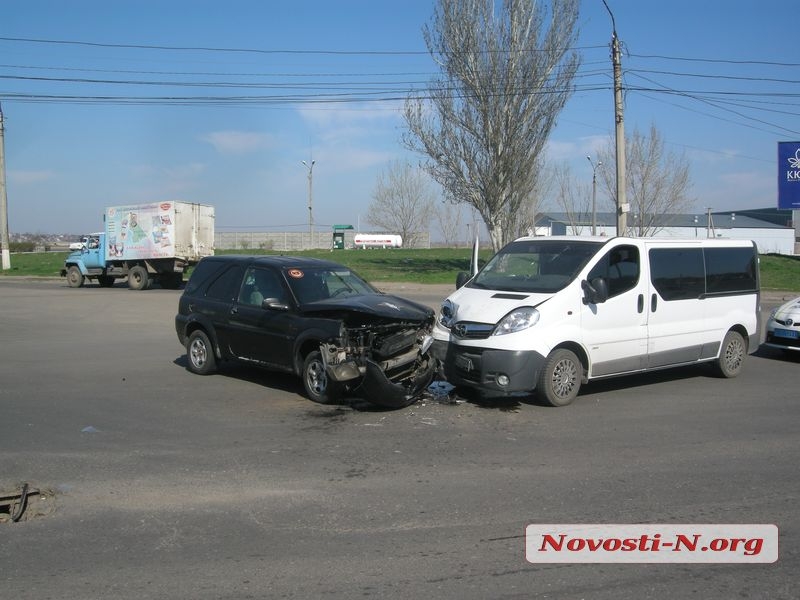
{"x":679,"y":330}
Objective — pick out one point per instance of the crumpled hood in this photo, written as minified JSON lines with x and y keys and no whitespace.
{"x":379,"y":305}
{"x":489,"y":306}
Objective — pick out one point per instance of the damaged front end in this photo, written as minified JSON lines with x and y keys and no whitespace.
{"x":388,"y":362}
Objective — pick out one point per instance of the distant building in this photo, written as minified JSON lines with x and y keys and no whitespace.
{"x":772,"y":230}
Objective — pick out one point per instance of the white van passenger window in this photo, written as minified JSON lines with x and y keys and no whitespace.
{"x":678,"y":273}
{"x":620,"y":268}
{"x":730,"y":270}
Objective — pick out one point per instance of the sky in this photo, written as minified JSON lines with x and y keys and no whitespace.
{"x":123,"y":102}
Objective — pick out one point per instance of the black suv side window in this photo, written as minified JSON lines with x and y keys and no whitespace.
{"x":226,"y":286}
{"x":203,"y":271}
{"x":259,"y":284}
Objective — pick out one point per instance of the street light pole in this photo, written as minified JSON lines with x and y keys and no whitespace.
{"x":594,"y":193}
{"x":4,"y":247}
{"x":310,"y":168}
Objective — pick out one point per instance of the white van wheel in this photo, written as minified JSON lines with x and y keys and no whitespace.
{"x":731,"y":355}
{"x":560,"y":378}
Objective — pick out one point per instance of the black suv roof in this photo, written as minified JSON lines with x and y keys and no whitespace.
{"x":276,"y":260}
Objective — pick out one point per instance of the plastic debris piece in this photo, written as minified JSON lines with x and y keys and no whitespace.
{"x":442,"y":392}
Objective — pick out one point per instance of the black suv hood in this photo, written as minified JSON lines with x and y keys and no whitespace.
{"x":379,"y":305}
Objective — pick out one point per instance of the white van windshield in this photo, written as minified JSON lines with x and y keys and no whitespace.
{"x":535,"y":266}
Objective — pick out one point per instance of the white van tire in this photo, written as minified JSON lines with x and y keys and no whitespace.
{"x":731,"y":355}
{"x":560,"y":378}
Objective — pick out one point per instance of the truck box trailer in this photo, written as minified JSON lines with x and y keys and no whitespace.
{"x":145,"y":243}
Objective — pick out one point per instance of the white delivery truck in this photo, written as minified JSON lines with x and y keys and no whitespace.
{"x":550,"y":313}
{"x":145,"y":243}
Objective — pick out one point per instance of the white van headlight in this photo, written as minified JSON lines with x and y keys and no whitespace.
{"x":517,"y":320}
{"x":446,"y":314}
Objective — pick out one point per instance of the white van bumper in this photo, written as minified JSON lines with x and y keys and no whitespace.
{"x":494,"y":372}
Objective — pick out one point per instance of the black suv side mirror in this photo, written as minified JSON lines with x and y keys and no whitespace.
{"x":274,"y":304}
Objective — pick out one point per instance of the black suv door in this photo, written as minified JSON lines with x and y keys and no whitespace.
{"x":256,"y":332}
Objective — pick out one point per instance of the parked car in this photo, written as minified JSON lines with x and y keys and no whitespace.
{"x":314,"y":318}
{"x":783,"y":327}
{"x":86,"y":241}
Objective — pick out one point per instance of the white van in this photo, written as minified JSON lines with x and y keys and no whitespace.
{"x":550,"y":313}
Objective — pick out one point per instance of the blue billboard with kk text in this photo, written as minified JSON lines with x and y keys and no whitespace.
{"x":789,"y":175}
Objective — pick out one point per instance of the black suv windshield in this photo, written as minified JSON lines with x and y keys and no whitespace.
{"x":313,"y":285}
{"x":535,"y":266}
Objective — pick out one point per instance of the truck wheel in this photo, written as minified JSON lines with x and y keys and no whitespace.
{"x":319,"y":388}
{"x":560,"y":378}
{"x":75,"y":278}
{"x":105,"y":280}
{"x":200,"y":353}
{"x":138,"y":278}
{"x":731,"y":355}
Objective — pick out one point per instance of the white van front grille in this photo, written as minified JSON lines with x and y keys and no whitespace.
{"x":472,"y":331}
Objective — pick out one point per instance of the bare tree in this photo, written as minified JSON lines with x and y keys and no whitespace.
{"x":573,"y":199}
{"x":506,"y":74}
{"x":402,"y":202}
{"x":448,"y":217}
{"x":658,"y":181}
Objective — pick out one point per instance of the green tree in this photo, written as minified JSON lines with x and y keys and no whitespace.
{"x":506,"y":74}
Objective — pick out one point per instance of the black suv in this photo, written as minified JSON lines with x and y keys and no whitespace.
{"x":314,"y":318}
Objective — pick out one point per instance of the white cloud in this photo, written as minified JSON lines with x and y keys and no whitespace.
{"x":28,"y":177}
{"x":581,"y":148}
{"x":353,"y":159}
{"x":352,"y":115}
{"x":237,"y":142}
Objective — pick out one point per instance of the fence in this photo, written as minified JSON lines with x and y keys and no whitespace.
{"x":290,"y":241}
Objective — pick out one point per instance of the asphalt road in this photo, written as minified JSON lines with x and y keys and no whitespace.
{"x":157,"y":483}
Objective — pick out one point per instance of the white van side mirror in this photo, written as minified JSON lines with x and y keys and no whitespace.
{"x":462,"y":278}
{"x":596,"y":291}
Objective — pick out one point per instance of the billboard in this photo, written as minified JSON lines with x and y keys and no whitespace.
{"x":789,"y":175}
{"x":141,"y":231}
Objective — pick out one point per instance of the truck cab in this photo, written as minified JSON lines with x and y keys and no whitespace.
{"x":88,"y":262}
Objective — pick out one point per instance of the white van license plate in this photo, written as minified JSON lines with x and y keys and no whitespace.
{"x":785,"y":333}
{"x":462,"y":362}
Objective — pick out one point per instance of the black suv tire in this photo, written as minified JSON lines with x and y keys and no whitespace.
{"x":319,"y":388}
{"x":200,"y":353}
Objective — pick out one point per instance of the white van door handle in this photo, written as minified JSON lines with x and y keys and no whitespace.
{"x":653,"y":303}
{"x":640,"y":303}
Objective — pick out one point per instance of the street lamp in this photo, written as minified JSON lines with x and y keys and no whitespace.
{"x":5,"y":255}
{"x":310,"y":168}
{"x":594,"y":193}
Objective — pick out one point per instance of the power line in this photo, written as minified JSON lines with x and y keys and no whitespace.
{"x":238,"y":50}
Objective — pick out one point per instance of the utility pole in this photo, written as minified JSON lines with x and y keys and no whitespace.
{"x":594,"y":193}
{"x":6,"y":255}
{"x":622,"y":204}
{"x":310,"y":168}
{"x":710,"y":232}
